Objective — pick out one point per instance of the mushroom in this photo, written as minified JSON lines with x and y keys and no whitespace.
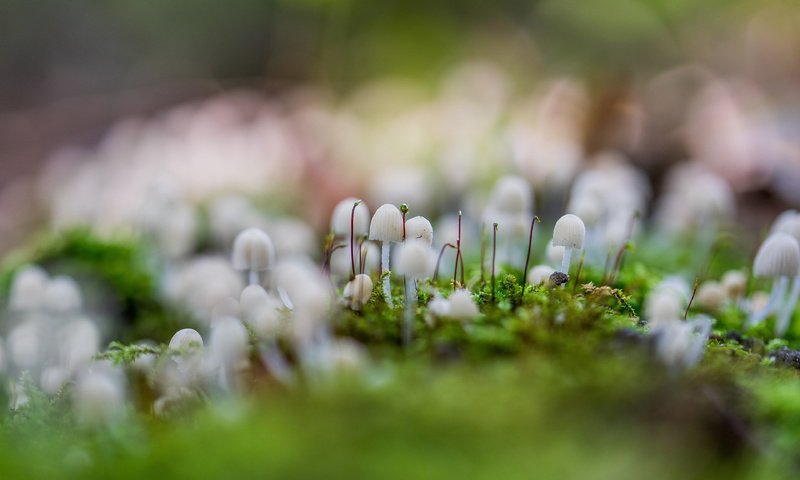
{"x":569,"y":232}
{"x":778,"y":257}
{"x":789,"y":223}
{"x":253,"y":252}
{"x":386,"y":227}
{"x":358,"y":291}
{"x":540,"y":274}
{"x":419,"y":228}
{"x":415,"y":260}
{"x":347,"y":210}
{"x":461,"y":305}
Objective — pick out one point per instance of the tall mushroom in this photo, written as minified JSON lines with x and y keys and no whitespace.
{"x":415,"y":260}
{"x":253,"y":252}
{"x":569,"y":232}
{"x":778,"y":257}
{"x":386,"y":227}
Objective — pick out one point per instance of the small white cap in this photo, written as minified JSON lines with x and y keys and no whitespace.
{"x":185,"y":339}
{"x":788,"y":222}
{"x":227,"y":342}
{"x":28,"y":289}
{"x":253,"y":250}
{"x":340,"y":218}
{"x":462,"y":306}
{"x":734,"y":282}
{"x":252,"y":299}
{"x":24,"y":345}
{"x":98,"y":397}
{"x":511,"y":194}
{"x":569,"y":232}
{"x":358,"y":291}
{"x":540,"y":274}
{"x":778,"y":256}
{"x":662,"y":307}
{"x":419,"y":228}
{"x":710,"y":295}
{"x":414,"y":259}
{"x":63,"y":295}
{"x":387,"y":224}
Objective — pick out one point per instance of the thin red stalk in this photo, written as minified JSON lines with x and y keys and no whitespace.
{"x":439,"y":259}
{"x":528,"y":256}
{"x":483,"y":253}
{"x":623,"y":247}
{"x":494,"y":252}
{"x":694,"y":292}
{"x":352,"y":234}
{"x":458,"y":252}
{"x":362,"y":255}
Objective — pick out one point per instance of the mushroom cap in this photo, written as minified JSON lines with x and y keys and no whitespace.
{"x":185,"y":338}
{"x":462,"y":306}
{"x":663,"y":306}
{"x":253,"y":250}
{"x":788,"y":222}
{"x":711,"y":295}
{"x":98,"y":397}
{"x":358,"y":291}
{"x":734,"y":282}
{"x":387,"y":224}
{"x":63,"y":295}
{"x":340,"y":218}
{"x":778,"y":256}
{"x":28,"y":288}
{"x":419,"y":228}
{"x":253,"y":298}
{"x":540,"y":274}
{"x":511,"y":194}
{"x":569,"y":232}
{"x":414,"y":259}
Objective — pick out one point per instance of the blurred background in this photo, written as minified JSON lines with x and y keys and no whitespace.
{"x":342,"y":91}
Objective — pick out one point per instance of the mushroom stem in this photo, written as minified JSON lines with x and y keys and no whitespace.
{"x":565,"y":260}
{"x":411,"y":306}
{"x":786,"y":314}
{"x":252,"y":277}
{"x":387,"y":291}
{"x":778,"y":290}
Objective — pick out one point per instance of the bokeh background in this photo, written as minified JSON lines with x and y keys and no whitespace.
{"x":658,"y":80}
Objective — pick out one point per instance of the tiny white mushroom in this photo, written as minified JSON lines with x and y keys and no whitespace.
{"x":569,"y":232}
{"x":63,"y":296}
{"x":358,"y":291}
{"x":253,"y":252}
{"x":186,"y":339}
{"x":779,"y":258}
{"x":98,"y":398}
{"x":711,"y":296}
{"x":340,"y":219}
{"x":734,"y":283}
{"x":386,"y":227}
{"x":419,"y":228}
{"x":28,"y":289}
{"x":540,"y":274}
{"x":462,"y":306}
{"x":415,"y":260}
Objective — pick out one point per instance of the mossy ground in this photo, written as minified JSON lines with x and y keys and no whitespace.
{"x":555,"y":383}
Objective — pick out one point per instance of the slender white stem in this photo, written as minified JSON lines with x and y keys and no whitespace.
{"x":778,"y":290}
{"x":786,"y":314}
{"x":387,"y":290}
{"x":411,"y":307}
{"x":566,"y":260}
{"x":253,"y":277}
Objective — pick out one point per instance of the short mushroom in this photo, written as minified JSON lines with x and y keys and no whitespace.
{"x":253,"y":252}
{"x":386,"y":227}
{"x":779,"y":258}
{"x":569,"y":232}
